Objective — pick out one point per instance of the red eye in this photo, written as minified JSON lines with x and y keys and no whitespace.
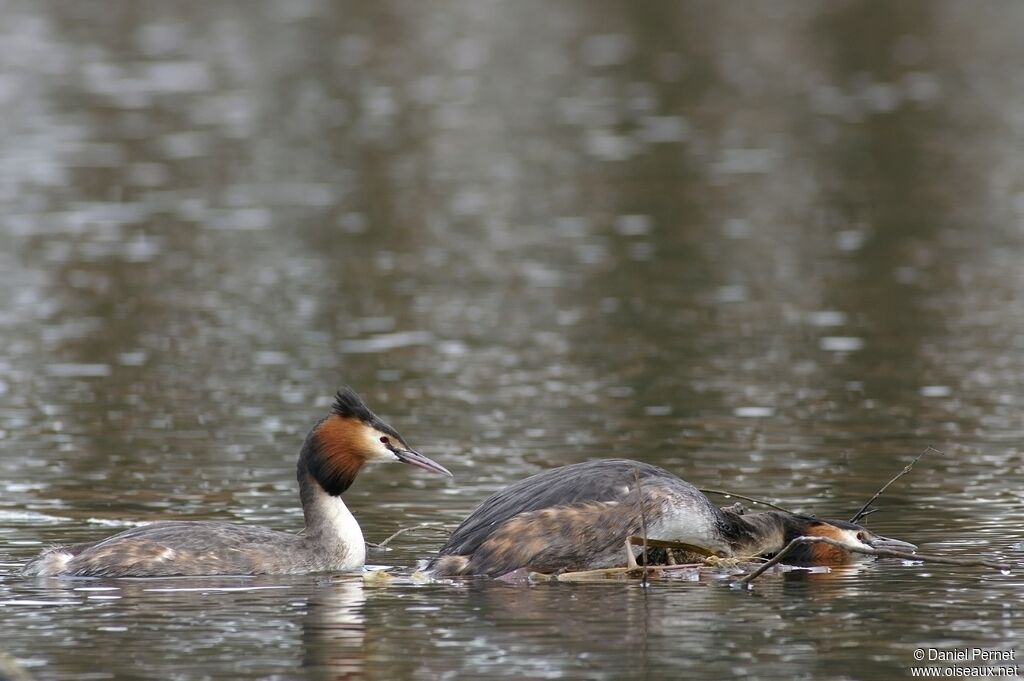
{"x":860,"y":536}
{"x":384,"y":439}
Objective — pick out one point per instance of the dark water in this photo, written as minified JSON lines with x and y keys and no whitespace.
{"x":774,"y":247}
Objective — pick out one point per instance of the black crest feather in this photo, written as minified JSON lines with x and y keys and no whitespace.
{"x":348,"y":404}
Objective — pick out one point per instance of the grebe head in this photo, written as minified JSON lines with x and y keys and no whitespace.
{"x":351,"y":436}
{"x":848,"y":533}
{"x":373,"y":439}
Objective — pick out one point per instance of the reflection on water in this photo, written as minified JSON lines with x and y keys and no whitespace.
{"x":773,"y":248}
{"x":333,"y":631}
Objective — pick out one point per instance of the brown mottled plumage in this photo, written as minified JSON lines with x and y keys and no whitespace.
{"x":555,"y":539}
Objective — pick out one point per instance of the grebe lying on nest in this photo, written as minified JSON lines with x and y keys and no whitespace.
{"x":580,"y":517}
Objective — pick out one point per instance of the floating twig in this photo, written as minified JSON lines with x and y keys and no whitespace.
{"x":906,"y":469}
{"x":613,"y":573}
{"x":881,"y":553}
{"x":724,"y":493}
{"x":678,"y":566}
{"x":421,"y":526}
{"x":586,"y":575}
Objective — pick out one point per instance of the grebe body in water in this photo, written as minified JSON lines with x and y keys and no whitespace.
{"x":333,"y":453}
{"x":580,"y":517}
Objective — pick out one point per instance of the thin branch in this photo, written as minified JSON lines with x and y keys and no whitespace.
{"x":587,"y":575}
{"x":643,"y":524}
{"x":421,"y":526}
{"x":881,"y":553}
{"x":750,"y":499}
{"x":678,"y":566}
{"x":906,"y":469}
{"x":606,"y":573}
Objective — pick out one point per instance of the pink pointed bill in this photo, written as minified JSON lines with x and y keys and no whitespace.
{"x":414,"y":458}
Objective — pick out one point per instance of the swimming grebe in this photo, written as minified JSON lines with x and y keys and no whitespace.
{"x":334,"y":451}
{"x":580,"y":517}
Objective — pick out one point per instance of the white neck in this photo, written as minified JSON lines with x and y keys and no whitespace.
{"x":332,"y":527}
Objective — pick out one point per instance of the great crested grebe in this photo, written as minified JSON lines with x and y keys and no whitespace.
{"x":334,"y":451}
{"x":580,"y":517}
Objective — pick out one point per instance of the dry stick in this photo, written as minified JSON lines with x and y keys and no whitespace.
{"x":750,"y":499}
{"x":604,"y":573}
{"x":864,"y":509}
{"x":882,"y":553}
{"x":421,"y":526}
{"x":678,"y":566}
{"x":643,"y":524}
{"x":599,"y":573}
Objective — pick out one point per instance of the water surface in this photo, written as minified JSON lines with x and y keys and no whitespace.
{"x":775,"y":248}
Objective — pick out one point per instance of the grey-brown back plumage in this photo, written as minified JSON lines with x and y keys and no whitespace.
{"x":564,"y":518}
{"x":194,"y":547}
